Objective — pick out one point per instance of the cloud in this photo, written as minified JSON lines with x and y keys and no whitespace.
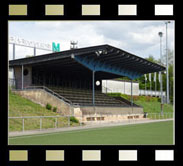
{"x":138,"y":37}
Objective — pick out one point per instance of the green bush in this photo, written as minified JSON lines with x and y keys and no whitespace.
{"x":54,"y":109}
{"x":135,"y":98}
{"x":74,"y":120}
{"x":127,"y":97}
{"x":114,"y":94}
{"x":171,"y":99}
{"x":48,"y":106}
{"x":159,"y":100}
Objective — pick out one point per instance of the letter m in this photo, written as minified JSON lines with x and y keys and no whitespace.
{"x":55,"y":48}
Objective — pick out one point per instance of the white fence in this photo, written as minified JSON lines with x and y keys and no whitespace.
{"x":124,"y":87}
{"x":157,"y":116}
{"x":151,"y":93}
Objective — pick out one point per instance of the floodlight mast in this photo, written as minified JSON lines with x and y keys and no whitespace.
{"x":167,"y":74}
{"x":161,"y":80}
{"x":74,"y":45}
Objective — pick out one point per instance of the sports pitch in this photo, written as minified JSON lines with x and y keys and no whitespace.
{"x":158,"y":133}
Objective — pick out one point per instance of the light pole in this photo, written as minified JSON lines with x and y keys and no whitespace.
{"x":167,"y":74}
{"x":161,"y":82}
{"x":145,"y":85}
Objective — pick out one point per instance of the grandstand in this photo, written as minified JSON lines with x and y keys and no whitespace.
{"x":83,"y":97}
{"x":75,"y":77}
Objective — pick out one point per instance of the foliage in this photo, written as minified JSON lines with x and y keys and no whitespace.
{"x":155,"y":107}
{"x":74,"y":120}
{"x":141,"y":80}
{"x":135,"y":98}
{"x":20,"y":107}
{"x":54,"y":109}
{"x":48,"y":106}
{"x":150,"y":104}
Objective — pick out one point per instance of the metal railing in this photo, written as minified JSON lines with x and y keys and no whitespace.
{"x":53,"y":93}
{"x":12,"y":83}
{"x":150,"y":93}
{"x":26,"y":123}
{"x":40,"y":122}
{"x":153,"y":116}
{"x":157,"y":116}
{"x":106,"y":90}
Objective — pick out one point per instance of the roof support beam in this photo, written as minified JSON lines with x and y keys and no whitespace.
{"x":98,"y":66}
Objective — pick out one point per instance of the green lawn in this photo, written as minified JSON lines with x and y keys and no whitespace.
{"x":19,"y":106}
{"x":159,"y":133}
{"x":154,"y":107}
{"x":150,"y":104}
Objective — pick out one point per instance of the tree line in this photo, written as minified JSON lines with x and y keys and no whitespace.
{"x":141,"y":80}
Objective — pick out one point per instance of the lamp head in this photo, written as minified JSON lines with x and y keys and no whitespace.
{"x":167,"y":22}
{"x":160,"y":34}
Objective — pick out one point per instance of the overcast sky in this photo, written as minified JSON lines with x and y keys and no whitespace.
{"x":137,"y":37}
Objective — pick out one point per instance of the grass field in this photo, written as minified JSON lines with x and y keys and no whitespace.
{"x":158,"y":133}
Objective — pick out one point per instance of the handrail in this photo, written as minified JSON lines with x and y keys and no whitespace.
{"x":60,"y":116}
{"x":12,"y":82}
{"x":107,"y":89}
{"x":30,"y":117}
{"x":53,"y":93}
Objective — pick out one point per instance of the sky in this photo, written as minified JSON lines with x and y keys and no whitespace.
{"x":137,"y":37}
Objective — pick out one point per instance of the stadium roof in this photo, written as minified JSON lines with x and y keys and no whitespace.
{"x":102,"y":58}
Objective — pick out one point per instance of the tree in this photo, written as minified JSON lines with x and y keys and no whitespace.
{"x":141,"y":80}
{"x":170,"y":57}
{"x":28,"y":56}
{"x":171,"y":75}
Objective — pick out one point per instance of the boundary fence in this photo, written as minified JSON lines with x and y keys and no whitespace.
{"x":25,"y":123}
{"x":41,"y":122}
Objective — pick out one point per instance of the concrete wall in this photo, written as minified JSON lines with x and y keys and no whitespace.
{"x":111,"y":110}
{"x":110,"y":114}
{"x":77,"y":113}
{"x":82,"y":113}
{"x":11,"y":81}
{"x":123,"y":87}
{"x":27,"y":79}
{"x":42,"y":97}
{"x":88,"y":119}
{"x":10,"y":73}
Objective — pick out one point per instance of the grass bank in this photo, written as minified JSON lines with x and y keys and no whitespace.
{"x":19,"y":106}
{"x":150,"y":104}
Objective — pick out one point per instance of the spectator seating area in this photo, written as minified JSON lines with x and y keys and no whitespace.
{"x":83,"y":97}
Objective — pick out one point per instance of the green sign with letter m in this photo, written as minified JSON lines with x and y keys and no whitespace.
{"x":55,"y":47}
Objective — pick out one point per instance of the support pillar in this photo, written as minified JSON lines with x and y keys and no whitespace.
{"x":132,"y":94}
{"x":93,"y":87}
{"x":161,"y":84}
{"x":124,"y":86}
{"x":22,"y":77}
{"x":155,"y":88}
{"x":13,"y":51}
{"x":150,"y":89}
{"x":34,"y":51}
{"x":145,"y":88}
